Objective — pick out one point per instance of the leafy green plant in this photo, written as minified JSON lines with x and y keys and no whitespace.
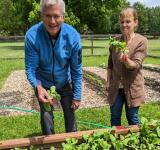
{"x":148,"y":138}
{"x":94,"y":79}
{"x":70,"y":144}
{"x":120,"y":45}
{"x":52,"y":95}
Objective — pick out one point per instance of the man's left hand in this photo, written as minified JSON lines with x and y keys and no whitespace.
{"x":76,"y":104}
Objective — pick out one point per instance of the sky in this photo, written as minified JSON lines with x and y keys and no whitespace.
{"x":148,"y":3}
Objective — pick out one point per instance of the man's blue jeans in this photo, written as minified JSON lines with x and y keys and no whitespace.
{"x":116,"y":111}
{"x":47,"y":118}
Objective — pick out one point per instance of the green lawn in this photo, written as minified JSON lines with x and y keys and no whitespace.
{"x":28,"y":125}
{"x":154,"y":47}
{"x":12,"y":50}
{"x":15,"y":49}
{"x":101,"y":47}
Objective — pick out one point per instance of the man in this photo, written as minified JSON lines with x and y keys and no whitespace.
{"x":53,"y":57}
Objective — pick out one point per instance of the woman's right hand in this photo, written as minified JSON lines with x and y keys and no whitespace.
{"x":123,"y":57}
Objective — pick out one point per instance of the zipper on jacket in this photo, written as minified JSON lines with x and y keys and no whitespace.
{"x":52,"y":48}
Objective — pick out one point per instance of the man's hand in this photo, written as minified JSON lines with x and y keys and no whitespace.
{"x":43,"y":95}
{"x":75,"y":104}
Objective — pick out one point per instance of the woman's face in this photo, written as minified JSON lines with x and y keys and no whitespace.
{"x":53,"y":18}
{"x":127,"y":23}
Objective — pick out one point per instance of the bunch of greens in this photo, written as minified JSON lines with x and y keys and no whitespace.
{"x":121,"y":46}
{"x":147,"y":139}
{"x":52,"y":95}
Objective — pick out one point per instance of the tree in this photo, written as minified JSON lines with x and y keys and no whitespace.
{"x":9,"y":22}
{"x":154,"y":20}
{"x":142,"y":17}
{"x":34,"y":14}
{"x":96,"y":14}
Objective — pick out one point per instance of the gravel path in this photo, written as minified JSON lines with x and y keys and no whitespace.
{"x":17,"y":92}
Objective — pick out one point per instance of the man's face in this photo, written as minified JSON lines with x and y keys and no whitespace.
{"x":53,"y":18}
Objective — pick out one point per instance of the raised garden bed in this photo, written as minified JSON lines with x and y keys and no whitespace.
{"x":57,"y":139}
{"x":143,"y":137}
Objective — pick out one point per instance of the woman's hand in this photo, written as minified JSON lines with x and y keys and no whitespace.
{"x":123,"y":57}
{"x":127,"y":61}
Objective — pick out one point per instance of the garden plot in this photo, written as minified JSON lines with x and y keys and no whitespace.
{"x":97,"y":77}
{"x":17,"y":92}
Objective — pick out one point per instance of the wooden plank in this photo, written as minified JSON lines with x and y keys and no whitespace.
{"x":58,"y":138}
{"x":124,"y":130}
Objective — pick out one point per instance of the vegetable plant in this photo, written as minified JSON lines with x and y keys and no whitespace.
{"x":52,"y":95}
{"x":147,"y":139}
{"x":120,"y":46}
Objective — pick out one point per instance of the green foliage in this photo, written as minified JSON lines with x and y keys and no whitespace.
{"x":52,"y":95}
{"x":34,"y":15}
{"x":92,"y":78}
{"x":119,"y":45}
{"x":147,"y":138}
{"x":85,"y":15}
{"x":97,"y":15}
{"x":70,"y":144}
{"x":71,"y":19}
{"x":142,"y":17}
{"x":8,"y":20}
{"x":154,"y":21}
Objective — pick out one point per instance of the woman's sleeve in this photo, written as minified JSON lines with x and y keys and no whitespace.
{"x":110,"y":63}
{"x":140,"y":53}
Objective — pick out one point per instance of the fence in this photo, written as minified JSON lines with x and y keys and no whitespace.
{"x":92,"y":38}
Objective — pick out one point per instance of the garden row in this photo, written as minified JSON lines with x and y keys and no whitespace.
{"x":97,"y":77}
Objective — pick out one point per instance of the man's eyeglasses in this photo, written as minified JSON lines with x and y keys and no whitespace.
{"x":49,"y":17}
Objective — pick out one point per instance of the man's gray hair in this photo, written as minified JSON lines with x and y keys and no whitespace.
{"x":45,"y":3}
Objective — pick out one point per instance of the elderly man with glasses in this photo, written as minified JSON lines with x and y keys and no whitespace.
{"x":53,"y":57}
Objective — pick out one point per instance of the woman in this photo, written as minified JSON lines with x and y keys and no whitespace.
{"x":125,"y":82}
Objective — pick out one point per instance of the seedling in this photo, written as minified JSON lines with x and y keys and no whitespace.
{"x":52,"y":95}
{"x":119,"y":45}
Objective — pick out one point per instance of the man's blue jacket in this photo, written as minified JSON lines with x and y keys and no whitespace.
{"x":54,"y":64}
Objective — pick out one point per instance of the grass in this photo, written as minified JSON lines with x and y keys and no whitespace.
{"x":154,"y":47}
{"x":15,"y":49}
{"x":7,"y":66}
{"x":101,"y":47}
{"x":12,"y":50}
{"x":28,"y":125}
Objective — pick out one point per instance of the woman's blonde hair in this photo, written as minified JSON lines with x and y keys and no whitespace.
{"x":132,"y":10}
